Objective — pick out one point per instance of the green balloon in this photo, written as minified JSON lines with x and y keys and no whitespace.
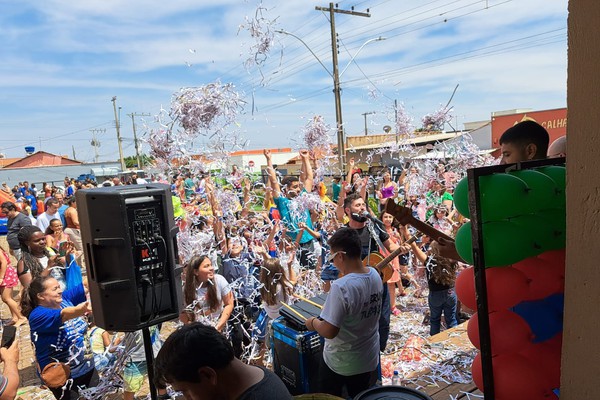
{"x":505,"y":243}
{"x":502,"y":196}
{"x":558,"y":175}
{"x":464,"y":246}
{"x":557,"y":218}
{"x":461,"y":197}
{"x":539,"y":231}
{"x":542,"y":193}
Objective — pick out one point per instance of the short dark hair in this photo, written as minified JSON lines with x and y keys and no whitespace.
{"x":8,"y":206}
{"x":187,"y":350}
{"x":350,"y":198}
{"x":527,"y":132}
{"x":52,"y":201}
{"x":288,"y":180}
{"x":347,"y":240}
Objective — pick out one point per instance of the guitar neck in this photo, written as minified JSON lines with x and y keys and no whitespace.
{"x":428,"y":230}
{"x":404,"y":216}
{"x":395,"y":253}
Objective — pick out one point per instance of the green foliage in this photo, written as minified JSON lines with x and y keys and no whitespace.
{"x":131,"y":161}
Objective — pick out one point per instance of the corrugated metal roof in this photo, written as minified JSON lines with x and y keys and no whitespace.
{"x":444,"y":154}
{"x":411,"y":140}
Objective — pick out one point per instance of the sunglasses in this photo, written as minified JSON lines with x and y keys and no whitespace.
{"x":332,"y":255}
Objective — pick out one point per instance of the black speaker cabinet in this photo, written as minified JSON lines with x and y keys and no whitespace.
{"x":129,"y":239}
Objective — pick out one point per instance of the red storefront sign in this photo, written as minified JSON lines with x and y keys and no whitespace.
{"x":555,"y":122}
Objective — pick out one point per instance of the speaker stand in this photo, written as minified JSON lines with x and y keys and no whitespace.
{"x":149,"y":362}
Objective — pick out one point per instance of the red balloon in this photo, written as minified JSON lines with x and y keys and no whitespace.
{"x":555,"y":342}
{"x":509,"y":333}
{"x":555,"y":259}
{"x":477,"y":372}
{"x":515,"y":378}
{"x":543,"y":280}
{"x":547,"y":358}
{"x":506,"y":287}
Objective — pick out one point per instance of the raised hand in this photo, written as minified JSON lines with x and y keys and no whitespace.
{"x":304,"y":154}
{"x":267,"y":153}
{"x":247,"y":184}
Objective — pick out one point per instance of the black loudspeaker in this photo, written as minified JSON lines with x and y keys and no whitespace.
{"x":129,"y":238}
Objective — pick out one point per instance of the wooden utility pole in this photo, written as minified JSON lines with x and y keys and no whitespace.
{"x":135,"y":140}
{"x":365,"y":115}
{"x":336,"y":76}
{"x":119,"y":140}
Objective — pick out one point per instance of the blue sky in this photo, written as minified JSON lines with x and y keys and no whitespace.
{"x":63,"y":61}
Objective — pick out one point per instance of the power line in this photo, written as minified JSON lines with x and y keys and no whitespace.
{"x":425,"y":64}
{"x":58,"y":136}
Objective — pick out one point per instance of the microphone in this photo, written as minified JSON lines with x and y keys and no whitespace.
{"x":368,"y":215}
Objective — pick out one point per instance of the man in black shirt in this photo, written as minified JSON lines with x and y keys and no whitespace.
{"x":16,"y":220}
{"x":355,"y":208}
{"x":199,"y":362}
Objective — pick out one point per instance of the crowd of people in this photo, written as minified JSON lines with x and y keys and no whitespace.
{"x":250,"y":247}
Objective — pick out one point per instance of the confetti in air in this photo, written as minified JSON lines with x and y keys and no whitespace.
{"x":403,"y":121}
{"x":261,"y":30}
{"x":436,"y":121}
{"x":203,"y":108}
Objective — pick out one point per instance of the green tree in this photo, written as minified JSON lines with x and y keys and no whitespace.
{"x":131,"y":161}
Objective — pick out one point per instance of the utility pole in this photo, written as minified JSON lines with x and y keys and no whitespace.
{"x":73,"y":148}
{"x":95,"y":142}
{"x":336,"y":76}
{"x":119,"y":140}
{"x":396,"y":118}
{"x":365,"y":115}
{"x":135,"y":140}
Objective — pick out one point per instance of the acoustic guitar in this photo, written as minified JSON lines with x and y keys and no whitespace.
{"x":404,"y":216}
{"x":382,"y":264}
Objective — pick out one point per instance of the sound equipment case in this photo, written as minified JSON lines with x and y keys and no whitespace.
{"x":296,"y":356}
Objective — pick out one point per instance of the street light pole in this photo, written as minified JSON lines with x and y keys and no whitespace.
{"x":135,"y":139}
{"x":119,"y":140}
{"x":337,"y":91}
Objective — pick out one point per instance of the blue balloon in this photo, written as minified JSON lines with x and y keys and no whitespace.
{"x":556,"y":302}
{"x":544,"y":320}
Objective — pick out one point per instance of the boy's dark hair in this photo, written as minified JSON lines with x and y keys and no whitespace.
{"x":187,"y":350}
{"x":527,"y":132}
{"x":350,"y":198}
{"x":347,"y":240}
{"x":288,"y":180}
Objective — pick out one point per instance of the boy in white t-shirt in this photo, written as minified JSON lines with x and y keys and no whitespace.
{"x":349,"y":321}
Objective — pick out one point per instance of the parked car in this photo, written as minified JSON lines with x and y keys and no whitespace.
{"x":84,"y":177}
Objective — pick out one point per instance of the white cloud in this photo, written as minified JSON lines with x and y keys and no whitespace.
{"x":60,"y":56}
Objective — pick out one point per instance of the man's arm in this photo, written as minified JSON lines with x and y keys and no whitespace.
{"x":74,"y":218}
{"x":247,"y":185}
{"x":271,"y":173}
{"x":350,"y":169}
{"x":308,"y":171}
{"x":218,"y":228}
